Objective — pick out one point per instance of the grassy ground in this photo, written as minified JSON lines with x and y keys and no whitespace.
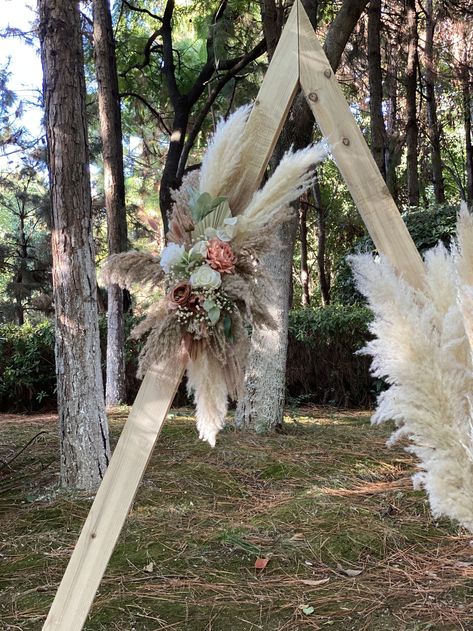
{"x":349,"y":544}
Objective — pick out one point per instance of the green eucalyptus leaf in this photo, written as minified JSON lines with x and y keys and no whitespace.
{"x":214,"y":315}
{"x":227,"y":328}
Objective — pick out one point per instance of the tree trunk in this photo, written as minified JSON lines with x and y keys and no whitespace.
{"x":114,"y":186}
{"x":434,"y":129}
{"x":321,"y":211}
{"x":393,"y":149}
{"x":375,"y":77}
{"x":169,"y":178}
{"x":466,"y":93}
{"x":84,"y":438}
{"x":412,"y":130}
{"x":304,"y":271}
{"x":261,"y":408}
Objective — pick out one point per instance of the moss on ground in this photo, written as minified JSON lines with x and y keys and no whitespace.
{"x":350,"y":544}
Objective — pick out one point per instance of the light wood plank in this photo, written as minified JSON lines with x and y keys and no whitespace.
{"x":114,"y":498}
{"x":269,"y":113}
{"x":353,"y":156}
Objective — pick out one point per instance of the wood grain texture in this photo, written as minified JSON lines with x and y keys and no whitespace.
{"x":114,"y":498}
{"x":269,"y":112}
{"x":353,"y":156}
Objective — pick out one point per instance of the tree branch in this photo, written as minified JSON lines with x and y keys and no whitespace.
{"x":148,"y":49}
{"x":210,"y":66}
{"x":140,"y":10}
{"x":253,"y":54}
{"x":162,"y":125}
{"x":168,"y":69}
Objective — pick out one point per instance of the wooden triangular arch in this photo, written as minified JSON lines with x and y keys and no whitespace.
{"x":299,"y":60}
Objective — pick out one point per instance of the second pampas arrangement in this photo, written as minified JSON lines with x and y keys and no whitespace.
{"x":210,"y":269}
{"x":423,"y":341}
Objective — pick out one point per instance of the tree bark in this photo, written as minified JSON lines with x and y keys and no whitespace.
{"x":467,"y":106}
{"x":394,"y":148}
{"x":375,"y":77}
{"x":321,"y":211}
{"x":114,"y":189}
{"x":434,"y":128}
{"x":304,"y":270}
{"x":84,"y":440}
{"x":412,"y":131}
{"x":262,"y":406}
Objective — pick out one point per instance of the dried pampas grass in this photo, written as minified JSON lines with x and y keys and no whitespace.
{"x":206,"y":383}
{"x":130,"y":268}
{"x":421,"y":347}
{"x":221,"y":161}
{"x":290,"y":179}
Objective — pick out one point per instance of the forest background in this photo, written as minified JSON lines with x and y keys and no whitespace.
{"x":407,"y":74}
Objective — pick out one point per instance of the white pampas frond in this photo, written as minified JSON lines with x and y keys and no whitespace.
{"x":223,"y":155}
{"x":206,"y":381}
{"x":422,"y":349}
{"x":464,"y":263}
{"x":291,"y":178}
{"x":129,"y":268}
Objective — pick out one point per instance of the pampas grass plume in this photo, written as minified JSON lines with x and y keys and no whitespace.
{"x":290,"y":179}
{"x":421,"y":348}
{"x":223,"y":155}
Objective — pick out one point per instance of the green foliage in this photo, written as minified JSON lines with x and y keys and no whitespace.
{"x":27,"y":373}
{"x":322,"y":366}
{"x":427,"y":227}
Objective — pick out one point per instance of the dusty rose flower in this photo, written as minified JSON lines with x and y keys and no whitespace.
{"x":220,"y":256}
{"x":179,"y":295}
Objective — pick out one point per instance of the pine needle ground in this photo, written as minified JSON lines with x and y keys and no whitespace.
{"x":348,"y":543}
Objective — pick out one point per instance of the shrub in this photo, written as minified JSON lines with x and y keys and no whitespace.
{"x":321,"y":365}
{"x":27,"y":372}
{"x":427,"y":227}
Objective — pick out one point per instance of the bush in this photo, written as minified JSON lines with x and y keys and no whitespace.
{"x":27,"y":372}
{"x":321,"y":364}
{"x":427,"y":227}
{"x":27,"y":366}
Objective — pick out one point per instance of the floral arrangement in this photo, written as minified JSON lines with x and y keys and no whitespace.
{"x":211,"y":269}
{"x":423,"y":341}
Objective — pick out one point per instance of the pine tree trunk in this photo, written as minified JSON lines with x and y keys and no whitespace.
{"x":304,"y":271}
{"x":412,"y":131}
{"x":434,"y":128}
{"x":114,"y":186}
{"x":261,"y":409}
{"x":84,"y":438}
{"x":375,"y":78}
{"x":467,"y":107}
{"x":321,"y":212}
{"x":393,"y":145}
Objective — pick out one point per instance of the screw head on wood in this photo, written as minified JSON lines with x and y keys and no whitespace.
{"x":346,"y":141}
{"x":313,"y":97}
{"x":327,"y":73}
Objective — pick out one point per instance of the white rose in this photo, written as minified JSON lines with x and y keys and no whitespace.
{"x":171,"y":255}
{"x":206,"y":278}
{"x":199,"y":249}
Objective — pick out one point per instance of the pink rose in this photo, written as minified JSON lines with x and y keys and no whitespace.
{"x":220,"y":256}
